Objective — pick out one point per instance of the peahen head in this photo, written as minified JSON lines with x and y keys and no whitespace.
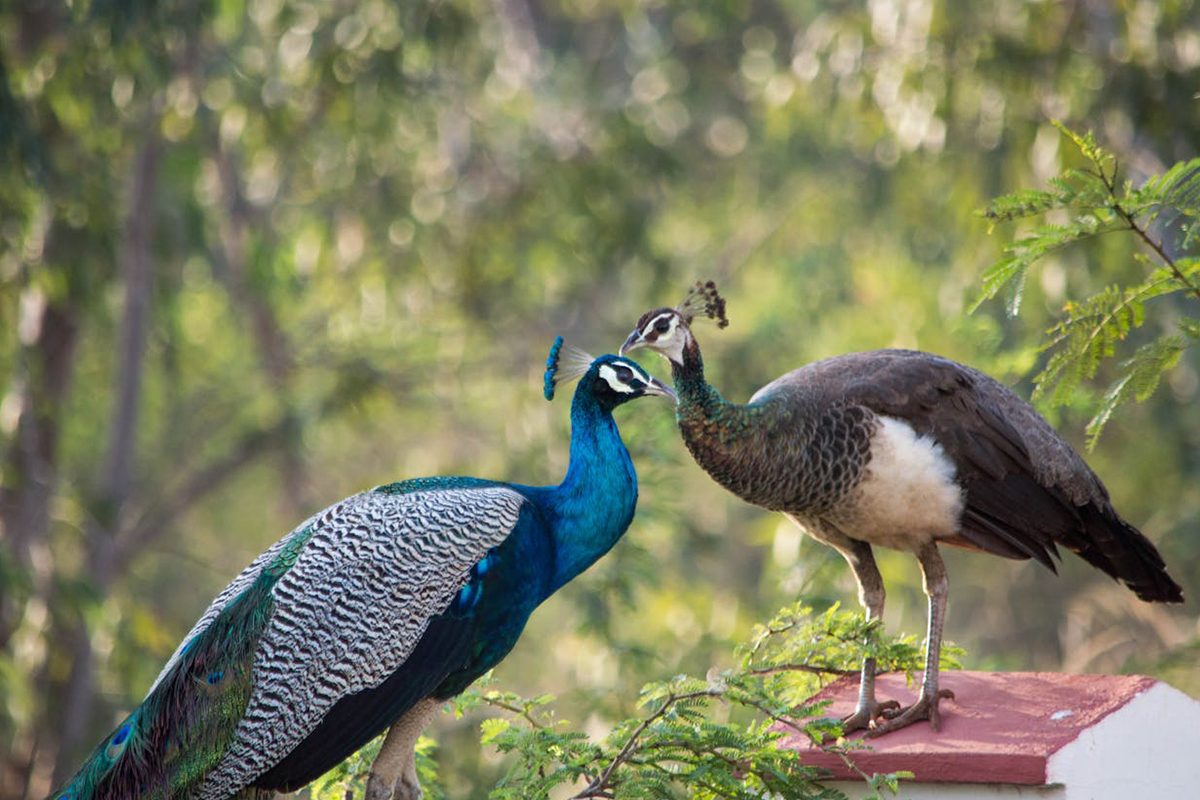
{"x":607,"y":381}
{"x":668,"y":331}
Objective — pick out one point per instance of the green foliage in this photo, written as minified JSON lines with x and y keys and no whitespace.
{"x":348,"y":779}
{"x":1164,"y":214}
{"x":711,"y":737}
{"x":370,"y":219}
{"x":703,"y":738}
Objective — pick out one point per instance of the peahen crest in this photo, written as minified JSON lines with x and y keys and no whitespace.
{"x":576,"y":365}
{"x":703,"y":299}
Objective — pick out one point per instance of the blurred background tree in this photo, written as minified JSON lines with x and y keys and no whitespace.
{"x":256,"y":255}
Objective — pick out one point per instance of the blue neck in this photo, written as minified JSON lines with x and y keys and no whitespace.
{"x":594,"y":504}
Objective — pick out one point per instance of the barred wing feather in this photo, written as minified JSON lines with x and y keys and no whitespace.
{"x":375,"y":569}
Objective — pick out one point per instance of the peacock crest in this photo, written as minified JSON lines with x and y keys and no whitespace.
{"x":559,"y":370}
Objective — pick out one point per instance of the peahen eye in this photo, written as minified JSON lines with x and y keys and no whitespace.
{"x":662,"y":324}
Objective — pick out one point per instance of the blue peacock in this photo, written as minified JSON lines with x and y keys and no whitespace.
{"x":370,"y":614}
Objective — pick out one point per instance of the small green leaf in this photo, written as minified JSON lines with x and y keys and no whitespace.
{"x":493,"y":727}
{"x":1142,"y":375}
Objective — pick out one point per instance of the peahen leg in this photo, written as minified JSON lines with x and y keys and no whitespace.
{"x":871,"y":594}
{"x":937,"y":584}
{"x":393,"y":774}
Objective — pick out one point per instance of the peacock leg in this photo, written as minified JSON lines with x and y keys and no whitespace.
{"x":393,"y":774}
{"x":871,"y":595}
{"x":937,"y":584}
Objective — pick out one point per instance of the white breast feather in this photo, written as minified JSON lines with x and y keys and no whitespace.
{"x":908,"y":494}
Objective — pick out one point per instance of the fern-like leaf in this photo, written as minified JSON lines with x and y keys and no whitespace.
{"x":1142,"y":375}
{"x":1093,"y":329}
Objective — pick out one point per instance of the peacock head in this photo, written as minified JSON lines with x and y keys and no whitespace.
{"x":668,"y":331}
{"x":608,"y":380}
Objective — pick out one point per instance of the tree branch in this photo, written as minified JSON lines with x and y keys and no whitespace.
{"x":600,"y":785}
{"x":1111,"y":185}
{"x":809,"y":668}
{"x":155,"y":522}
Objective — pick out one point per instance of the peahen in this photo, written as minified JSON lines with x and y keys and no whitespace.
{"x":370,"y":613}
{"x":902,"y":449}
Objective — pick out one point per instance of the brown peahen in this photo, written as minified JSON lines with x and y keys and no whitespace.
{"x":902,"y":449}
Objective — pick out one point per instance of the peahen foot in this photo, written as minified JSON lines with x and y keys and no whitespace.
{"x":926,"y":707}
{"x":865,"y":715}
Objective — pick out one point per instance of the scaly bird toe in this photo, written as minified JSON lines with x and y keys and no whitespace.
{"x":408,"y":789}
{"x":926,"y":708}
{"x":377,"y":789}
{"x":864,"y":716}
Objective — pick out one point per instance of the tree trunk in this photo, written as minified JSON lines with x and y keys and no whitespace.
{"x":31,"y":469}
{"x":102,"y":531}
{"x":274,"y":349}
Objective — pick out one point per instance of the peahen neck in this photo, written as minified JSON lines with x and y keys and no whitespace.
{"x":716,"y":431}
{"x":594,"y":504}
{"x":701,"y":410}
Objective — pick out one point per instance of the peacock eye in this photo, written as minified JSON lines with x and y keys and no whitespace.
{"x":624,"y":374}
{"x":662,"y":324}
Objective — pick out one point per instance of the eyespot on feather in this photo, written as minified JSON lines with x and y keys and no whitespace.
{"x":120,"y":739}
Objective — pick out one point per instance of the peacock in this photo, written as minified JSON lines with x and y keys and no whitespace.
{"x":370,"y":614}
{"x":902,"y":449}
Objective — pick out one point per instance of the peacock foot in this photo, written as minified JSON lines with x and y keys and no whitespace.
{"x":405,"y":789}
{"x":865,"y":715}
{"x":926,"y":707}
{"x":408,"y":788}
{"x":377,"y":789}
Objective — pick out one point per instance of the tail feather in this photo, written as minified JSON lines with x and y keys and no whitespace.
{"x":1126,"y":554}
{"x":180,"y":732}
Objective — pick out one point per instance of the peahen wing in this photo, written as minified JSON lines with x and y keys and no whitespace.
{"x":1027,"y":490}
{"x":358,"y":600}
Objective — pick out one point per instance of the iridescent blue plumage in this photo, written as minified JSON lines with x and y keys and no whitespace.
{"x":372,"y":611}
{"x":551,"y":368}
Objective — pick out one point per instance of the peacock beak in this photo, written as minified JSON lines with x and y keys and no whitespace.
{"x":634,"y":341}
{"x":661,"y":389}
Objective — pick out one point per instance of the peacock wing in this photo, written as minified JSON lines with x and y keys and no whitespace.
{"x":365,"y":591}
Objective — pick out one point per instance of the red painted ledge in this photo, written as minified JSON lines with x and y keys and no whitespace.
{"x":1001,"y":727}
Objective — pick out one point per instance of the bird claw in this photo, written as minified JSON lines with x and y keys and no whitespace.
{"x":408,"y":790}
{"x":926,"y":707}
{"x":377,"y":789}
{"x":865,"y":715}
{"x":405,"y":788}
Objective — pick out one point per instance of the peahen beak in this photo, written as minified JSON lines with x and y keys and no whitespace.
{"x":634,"y":341}
{"x":659,"y":388}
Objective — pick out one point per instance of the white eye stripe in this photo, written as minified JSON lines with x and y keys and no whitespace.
{"x":672,"y":321}
{"x":609,"y":375}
